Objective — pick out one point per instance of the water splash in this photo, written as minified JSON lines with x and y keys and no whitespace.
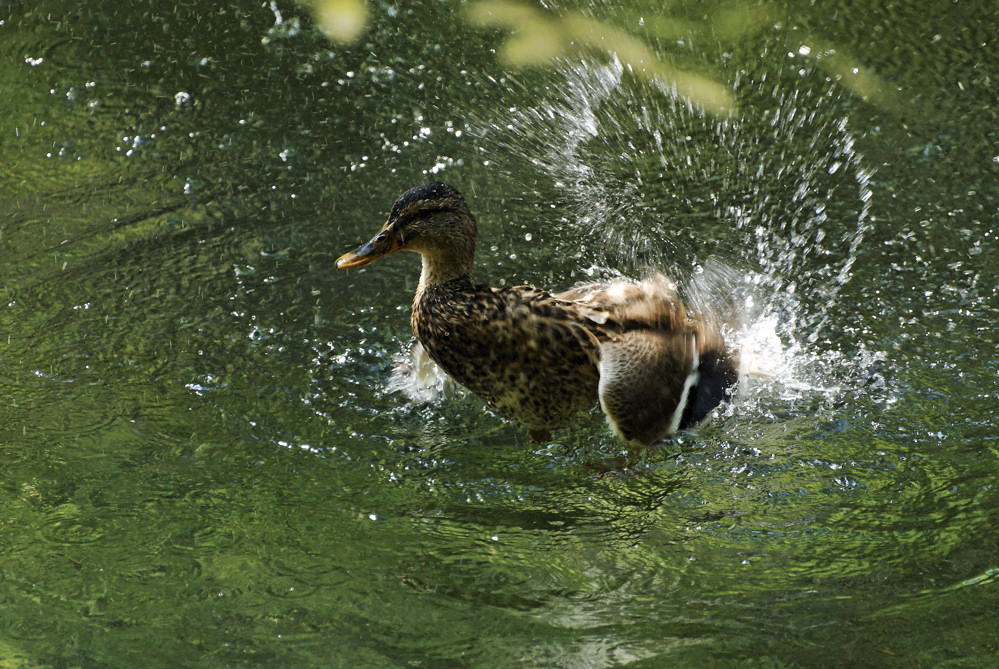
{"x":418,"y":377}
{"x":760,"y":217}
{"x":640,"y":169}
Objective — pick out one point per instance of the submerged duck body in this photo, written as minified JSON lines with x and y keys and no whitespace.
{"x":542,"y":358}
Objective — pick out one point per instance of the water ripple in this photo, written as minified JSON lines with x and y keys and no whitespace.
{"x":66,"y":524}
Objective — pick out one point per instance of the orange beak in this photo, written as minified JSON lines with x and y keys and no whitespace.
{"x":382,"y":244}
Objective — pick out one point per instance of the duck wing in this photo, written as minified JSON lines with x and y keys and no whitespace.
{"x":660,"y":370}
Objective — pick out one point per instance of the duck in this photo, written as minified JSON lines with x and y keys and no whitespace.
{"x":543,"y":358}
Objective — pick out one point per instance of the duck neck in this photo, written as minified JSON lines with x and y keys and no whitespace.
{"x":436,"y":271}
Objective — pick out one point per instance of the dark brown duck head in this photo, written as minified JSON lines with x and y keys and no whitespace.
{"x":432,"y":220}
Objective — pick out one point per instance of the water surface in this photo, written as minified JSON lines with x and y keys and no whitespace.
{"x":204,"y":461}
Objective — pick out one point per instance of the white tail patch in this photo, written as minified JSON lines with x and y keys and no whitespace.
{"x":692,"y":378}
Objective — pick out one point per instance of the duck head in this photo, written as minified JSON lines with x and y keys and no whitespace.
{"x":432,"y":220}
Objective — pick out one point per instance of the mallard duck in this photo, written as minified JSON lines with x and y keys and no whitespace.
{"x":542,"y":358}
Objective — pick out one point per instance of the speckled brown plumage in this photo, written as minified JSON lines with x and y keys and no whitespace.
{"x":543,"y":358}
{"x":520,"y":349}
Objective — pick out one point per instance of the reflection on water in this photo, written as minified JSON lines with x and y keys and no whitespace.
{"x":202,"y":460}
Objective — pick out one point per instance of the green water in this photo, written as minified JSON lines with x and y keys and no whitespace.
{"x":203,"y":458}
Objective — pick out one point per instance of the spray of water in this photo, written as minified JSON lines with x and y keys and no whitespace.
{"x":759,"y":216}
